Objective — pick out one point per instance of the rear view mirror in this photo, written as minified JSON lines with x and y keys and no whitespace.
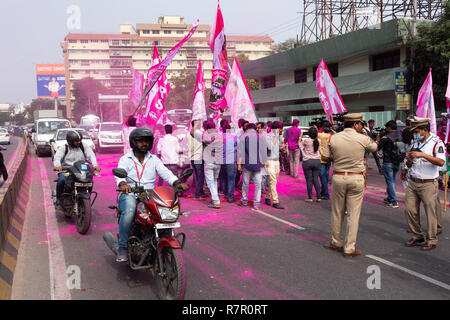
{"x":120,"y":173}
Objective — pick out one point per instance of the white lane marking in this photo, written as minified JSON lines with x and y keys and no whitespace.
{"x":57,"y":262}
{"x":413,"y":273}
{"x":279,"y":220}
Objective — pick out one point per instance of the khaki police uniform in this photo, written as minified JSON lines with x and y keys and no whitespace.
{"x":347,"y":149}
{"x":423,"y":187}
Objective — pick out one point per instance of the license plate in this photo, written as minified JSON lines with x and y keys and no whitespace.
{"x":79,"y":184}
{"x":167,"y":225}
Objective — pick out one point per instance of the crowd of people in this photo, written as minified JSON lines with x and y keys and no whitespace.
{"x":226,"y":159}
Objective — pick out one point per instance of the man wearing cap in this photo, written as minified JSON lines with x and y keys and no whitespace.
{"x":346,"y":149}
{"x":423,"y":162}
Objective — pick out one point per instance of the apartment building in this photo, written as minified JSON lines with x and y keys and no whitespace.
{"x":109,"y":57}
{"x":364,"y":65}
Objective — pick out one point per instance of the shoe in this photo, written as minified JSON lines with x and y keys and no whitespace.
{"x":214,"y":206}
{"x":255,"y":207}
{"x":267,"y":201}
{"x":242,"y":204}
{"x":414,"y":242}
{"x":331,"y":246}
{"x":386,"y":201}
{"x":353,"y":254}
{"x":393,"y":205}
{"x":318,"y":200}
{"x":324,"y":198}
{"x":309,"y":200}
{"x":278,"y":206}
{"x":428,"y":247}
{"x":122,"y":255}
{"x":196,"y":199}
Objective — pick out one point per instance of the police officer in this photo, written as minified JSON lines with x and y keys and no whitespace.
{"x":423,"y":162}
{"x":346,"y":149}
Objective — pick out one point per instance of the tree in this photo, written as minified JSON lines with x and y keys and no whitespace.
{"x":432,"y":50}
{"x":182,"y":87}
{"x":85,"y":92}
{"x":288,"y":44}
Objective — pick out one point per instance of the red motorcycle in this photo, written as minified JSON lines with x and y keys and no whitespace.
{"x":152,"y":243}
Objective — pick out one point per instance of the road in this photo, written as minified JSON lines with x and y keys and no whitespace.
{"x":232,"y":253}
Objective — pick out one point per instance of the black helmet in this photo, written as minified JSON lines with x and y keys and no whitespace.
{"x":141,"y":133}
{"x":72,"y":136}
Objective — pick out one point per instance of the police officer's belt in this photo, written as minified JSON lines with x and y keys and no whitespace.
{"x":348,"y":173}
{"x":422,"y":180}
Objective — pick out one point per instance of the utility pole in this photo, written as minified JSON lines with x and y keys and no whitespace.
{"x":413,"y":57}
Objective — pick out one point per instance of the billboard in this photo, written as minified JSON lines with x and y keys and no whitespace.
{"x":51,"y":80}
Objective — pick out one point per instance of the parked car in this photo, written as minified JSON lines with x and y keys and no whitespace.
{"x":59,"y":140}
{"x":109,"y":136}
{"x":5,"y":137}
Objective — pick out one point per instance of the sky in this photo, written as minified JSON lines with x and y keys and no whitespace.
{"x":32,"y":30}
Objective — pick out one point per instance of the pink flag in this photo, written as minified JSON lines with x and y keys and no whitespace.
{"x":238,"y":96}
{"x":328,"y":92}
{"x":217,"y":43}
{"x":137,"y":87}
{"x":447,"y":99}
{"x":198,"y":106}
{"x":155,"y":71}
{"x":425,"y":102}
{"x":157,"y":96}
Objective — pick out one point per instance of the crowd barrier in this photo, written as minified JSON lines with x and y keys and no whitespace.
{"x":14,"y":194}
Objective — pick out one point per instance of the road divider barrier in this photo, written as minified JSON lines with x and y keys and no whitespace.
{"x":14,"y":195}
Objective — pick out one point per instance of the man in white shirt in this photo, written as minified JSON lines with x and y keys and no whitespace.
{"x":423,"y":161}
{"x":141,"y":166}
{"x":169,"y":149}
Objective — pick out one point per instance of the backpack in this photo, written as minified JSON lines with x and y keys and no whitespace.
{"x":398,"y":152}
{"x":67,"y":150}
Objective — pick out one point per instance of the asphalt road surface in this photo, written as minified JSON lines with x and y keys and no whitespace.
{"x":232,"y":253}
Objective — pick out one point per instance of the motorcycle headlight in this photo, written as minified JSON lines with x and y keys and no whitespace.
{"x":169,"y":214}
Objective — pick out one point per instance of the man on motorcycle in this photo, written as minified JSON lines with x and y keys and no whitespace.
{"x":66,"y":157}
{"x":141,"y":166}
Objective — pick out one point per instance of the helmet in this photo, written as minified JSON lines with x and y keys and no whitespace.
{"x":72,"y":136}
{"x":141,"y":133}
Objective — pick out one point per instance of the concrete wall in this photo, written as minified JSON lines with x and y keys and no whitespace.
{"x":12,"y":215}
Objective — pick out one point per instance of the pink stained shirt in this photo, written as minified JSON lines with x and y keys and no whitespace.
{"x":308,"y":150}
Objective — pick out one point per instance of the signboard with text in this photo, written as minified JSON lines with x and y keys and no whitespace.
{"x":51,"y":80}
{"x":403,"y":101}
{"x":400,"y":82}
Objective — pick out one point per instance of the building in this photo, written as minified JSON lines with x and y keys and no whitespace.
{"x":363,"y":63}
{"x":109,"y":57}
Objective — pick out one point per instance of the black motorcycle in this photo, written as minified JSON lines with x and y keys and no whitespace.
{"x":76,"y":198}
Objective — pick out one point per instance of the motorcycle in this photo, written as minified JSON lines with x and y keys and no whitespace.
{"x":152,"y":243}
{"x":76,"y":198}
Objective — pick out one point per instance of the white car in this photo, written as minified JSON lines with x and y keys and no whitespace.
{"x":109,"y":136}
{"x":5,"y":137}
{"x":59,"y":140}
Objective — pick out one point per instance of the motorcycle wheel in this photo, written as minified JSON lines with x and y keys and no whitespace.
{"x":84,"y":215}
{"x":172,"y":284}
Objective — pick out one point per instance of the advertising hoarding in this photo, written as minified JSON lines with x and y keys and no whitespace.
{"x":50,"y":80}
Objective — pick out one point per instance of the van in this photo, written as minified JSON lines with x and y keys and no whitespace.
{"x":45,"y":130}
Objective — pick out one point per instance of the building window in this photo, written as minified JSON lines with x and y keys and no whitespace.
{"x":268,"y":82}
{"x":72,"y":41}
{"x":156,"y":43}
{"x":386,"y":60}
{"x":333,"y":68}
{"x":167,"y":32}
{"x":180,"y":32}
{"x":155,"y":31}
{"x":94,"y":41}
{"x":115,"y":42}
{"x":84,"y":41}
{"x":146,"y":31}
{"x":300,"y":76}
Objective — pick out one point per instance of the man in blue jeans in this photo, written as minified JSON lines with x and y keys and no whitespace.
{"x":390,"y":166}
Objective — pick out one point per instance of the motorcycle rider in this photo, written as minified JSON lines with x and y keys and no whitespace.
{"x":141,"y":166}
{"x":65,"y":157}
